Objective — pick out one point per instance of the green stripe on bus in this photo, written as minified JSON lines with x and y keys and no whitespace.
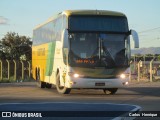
{"x":50,"y":58}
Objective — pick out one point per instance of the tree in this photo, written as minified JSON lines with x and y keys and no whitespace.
{"x":158,"y":57}
{"x":14,"y":46}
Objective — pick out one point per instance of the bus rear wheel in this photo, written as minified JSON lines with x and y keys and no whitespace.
{"x":61,"y":89}
{"x":110,"y":91}
{"x":40,"y":83}
{"x":48,"y":85}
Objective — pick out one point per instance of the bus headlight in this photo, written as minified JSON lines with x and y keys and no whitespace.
{"x":75,"y":75}
{"x":122,"y":76}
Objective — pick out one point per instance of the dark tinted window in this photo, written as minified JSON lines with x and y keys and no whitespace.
{"x":98,"y":23}
{"x":98,"y":50}
{"x":49,"y":32}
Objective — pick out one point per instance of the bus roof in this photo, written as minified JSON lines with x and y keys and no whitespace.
{"x":92,"y":12}
{"x":82,"y":12}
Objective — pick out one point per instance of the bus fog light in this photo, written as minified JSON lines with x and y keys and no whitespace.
{"x":122,"y":76}
{"x":76,"y":75}
{"x":126,"y":83}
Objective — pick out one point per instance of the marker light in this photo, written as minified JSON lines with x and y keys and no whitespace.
{"x":76,"y":75}
{"x":125,"y":83}
{"x":122,"y":76}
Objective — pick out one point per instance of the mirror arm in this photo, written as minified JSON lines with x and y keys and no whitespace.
{"x":135,"y":38}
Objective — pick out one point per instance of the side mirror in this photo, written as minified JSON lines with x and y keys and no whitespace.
{"x":135,"y":38}
{"x":65,"y":38}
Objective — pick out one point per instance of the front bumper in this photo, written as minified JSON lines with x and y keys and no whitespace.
{"x":96,"y":83}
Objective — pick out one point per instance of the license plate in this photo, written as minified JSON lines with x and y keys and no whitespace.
{"x":99,"y":84}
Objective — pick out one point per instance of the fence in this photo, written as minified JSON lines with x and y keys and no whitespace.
{"x":145,"y":70}
{"x":13,"y":70}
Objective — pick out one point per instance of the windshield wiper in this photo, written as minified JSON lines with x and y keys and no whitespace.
{"x":108,"y":58}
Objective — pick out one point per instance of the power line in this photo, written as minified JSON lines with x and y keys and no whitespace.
{"x":149,"y":30}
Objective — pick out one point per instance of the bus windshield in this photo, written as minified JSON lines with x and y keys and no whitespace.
{"x":98,"y":50}
{"x":98,"y":23}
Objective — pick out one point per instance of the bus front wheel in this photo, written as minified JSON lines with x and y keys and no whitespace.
{"x":110,"y":91}
{"x":61,"y":89}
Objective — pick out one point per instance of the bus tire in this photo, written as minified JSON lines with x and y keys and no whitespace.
{"x":61,"y":89}
{"x":110,"y":91}
{"x":48,"y":85}
{"x":40,"y":83}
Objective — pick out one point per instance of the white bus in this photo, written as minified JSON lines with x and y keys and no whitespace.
{"x":88,"y":49}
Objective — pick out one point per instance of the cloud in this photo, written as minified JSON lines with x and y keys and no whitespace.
{"x":3,"y":20}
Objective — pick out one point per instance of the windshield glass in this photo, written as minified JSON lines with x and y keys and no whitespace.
{"x":97,"y":50}
{"x":98,"y":23}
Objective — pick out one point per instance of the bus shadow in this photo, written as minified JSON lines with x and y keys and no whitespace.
{"x":132,"y":91}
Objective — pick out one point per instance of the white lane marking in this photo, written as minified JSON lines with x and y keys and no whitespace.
{"x":70,"y":103}
{"x":137,"y":108}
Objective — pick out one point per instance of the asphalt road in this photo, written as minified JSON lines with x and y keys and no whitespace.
{"x":144,"y":94}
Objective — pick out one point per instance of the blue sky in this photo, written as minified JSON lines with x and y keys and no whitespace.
{"x":22,"y":16}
